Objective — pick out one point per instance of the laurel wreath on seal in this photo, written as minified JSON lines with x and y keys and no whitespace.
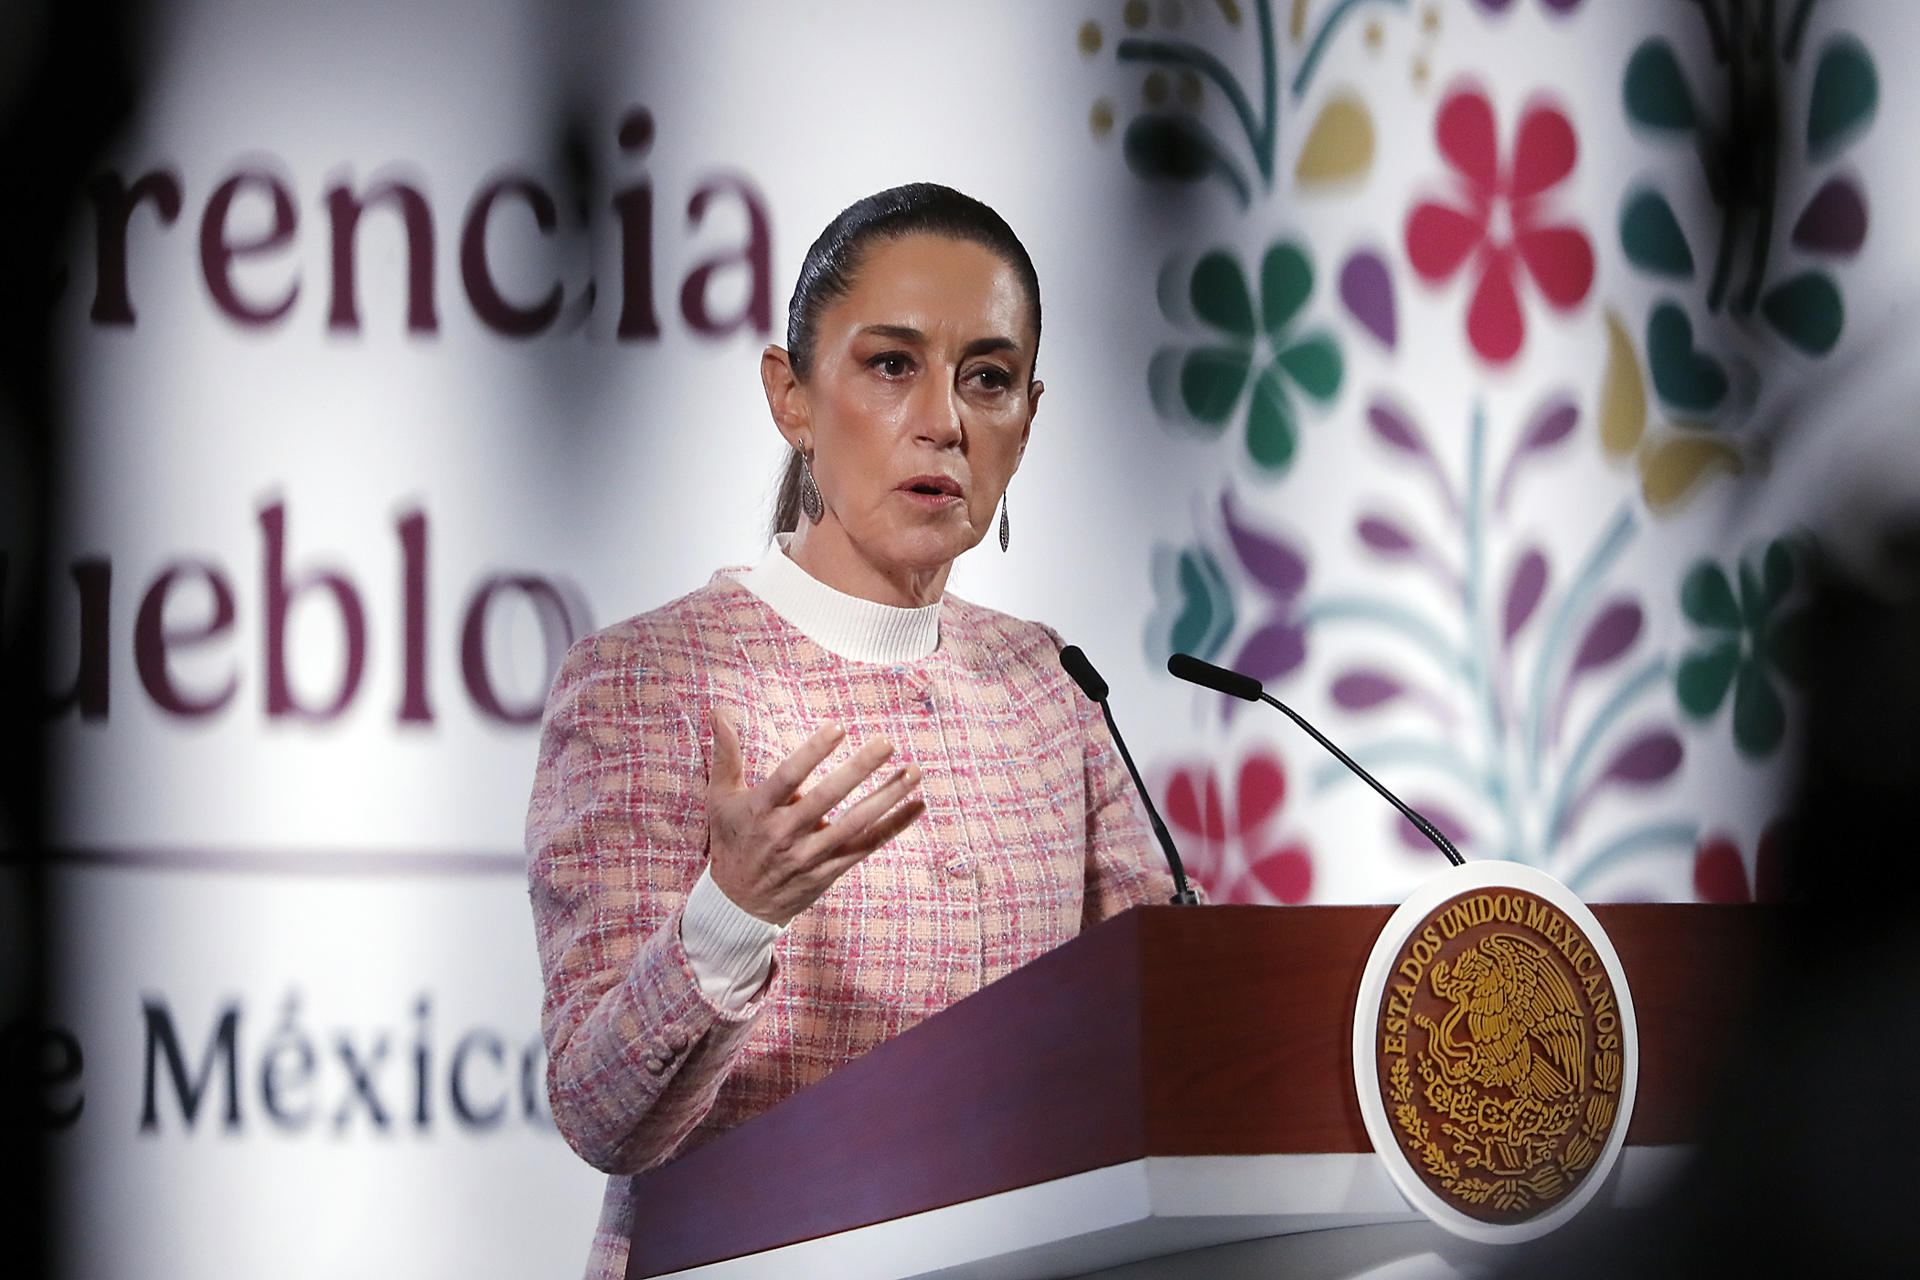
{"x":1539,"y":1129}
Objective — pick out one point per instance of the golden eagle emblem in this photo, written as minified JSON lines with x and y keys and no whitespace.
{"x":1523,"y":1024}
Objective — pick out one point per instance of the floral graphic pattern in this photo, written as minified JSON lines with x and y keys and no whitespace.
{"x":1502,"y":228}
{"x":1499,"y":657}
{"x":1172,"y":142}
{"x":1493,"y":720}
{"x":1203,"y":386}
{"x":1238,"y":860}
{"x":1748,"y":641}
{"x":1720,"y":873}
{"x":1723,"y":290}
{"x":1194,"y":613}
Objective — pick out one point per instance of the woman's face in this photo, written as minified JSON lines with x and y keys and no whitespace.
{"x":916,"y":413}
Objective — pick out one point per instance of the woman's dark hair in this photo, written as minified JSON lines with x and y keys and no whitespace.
{"x":827,"y":275}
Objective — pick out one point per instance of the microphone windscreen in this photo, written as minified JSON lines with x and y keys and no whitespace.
{"x":1083,"y":674}
{"x":1187,"y":667}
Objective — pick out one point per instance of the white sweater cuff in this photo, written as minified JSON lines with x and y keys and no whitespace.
{"x":731,"y":951}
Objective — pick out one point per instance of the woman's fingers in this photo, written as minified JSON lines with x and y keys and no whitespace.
{"x":727,"y":770}
{"x":821,"y":799}
{"x":789,"y":774}
{"x":883,"y":829}
{"x":852,"y":824}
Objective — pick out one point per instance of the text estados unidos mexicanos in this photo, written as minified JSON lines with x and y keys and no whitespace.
{"x":1529,"y":913}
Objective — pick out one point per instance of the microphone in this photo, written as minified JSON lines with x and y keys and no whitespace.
{"x":1191,"y":669}
{"x":1077,"y":666}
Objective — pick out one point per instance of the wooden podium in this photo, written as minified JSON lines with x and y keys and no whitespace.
{"x":1174,"y":1079}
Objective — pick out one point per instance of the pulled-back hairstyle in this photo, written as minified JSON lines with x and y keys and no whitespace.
{"x":827,"y":275}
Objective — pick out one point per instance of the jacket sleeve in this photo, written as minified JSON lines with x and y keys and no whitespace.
{"x":616,"y":837}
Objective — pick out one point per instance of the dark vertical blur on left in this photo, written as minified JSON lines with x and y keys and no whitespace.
{"x":68,"y":85}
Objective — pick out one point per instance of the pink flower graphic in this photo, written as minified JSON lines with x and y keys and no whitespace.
{"x":1500,"y":220}
{"x":1720,"y":873}
{"x":1237,"y":862}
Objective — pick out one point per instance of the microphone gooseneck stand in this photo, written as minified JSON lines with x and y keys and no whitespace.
{"x":1077,"y":666}
{"x":1235,"y":685}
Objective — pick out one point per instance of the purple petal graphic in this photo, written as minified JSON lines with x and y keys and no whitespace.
{"x":1367,"y":289}
{"x":1273,"y":651}
{"x":1386,"y":537}
{"x":1444,"y":821}
{"x":1652,"y":757}
{"x":1268,"y":560}
{"x":1550,"y":425}
{"x":1393,"y":427}
{"x":1524,"y":592}
{"x":1611,"y":634}
{"x":1835,"y":220}
{"x":1553,"y":422}
{"x":1396,"y":429}
{"x":1362,"y":689}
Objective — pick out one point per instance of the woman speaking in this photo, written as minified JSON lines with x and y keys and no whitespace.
{"x":785,"y":817}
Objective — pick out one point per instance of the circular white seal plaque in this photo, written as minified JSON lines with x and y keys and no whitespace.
{"x":1495,"y":1052}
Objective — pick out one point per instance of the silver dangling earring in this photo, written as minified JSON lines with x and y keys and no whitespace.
{"x":1003,"y":521}
{"x":810,"y":501}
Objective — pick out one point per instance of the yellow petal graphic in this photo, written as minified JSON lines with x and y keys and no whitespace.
{"x":1623,"y":393}
{"x":1340,"y":144}
{"x":1673,"y":467}
{"x":1297,"y":26}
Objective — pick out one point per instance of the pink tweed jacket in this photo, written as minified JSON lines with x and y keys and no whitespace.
{"x":1031,"y":833}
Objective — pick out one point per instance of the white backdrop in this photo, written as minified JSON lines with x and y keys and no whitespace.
{"x":323,"y":908}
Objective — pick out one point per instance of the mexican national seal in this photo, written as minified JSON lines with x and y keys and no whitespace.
{"x":1494,"y":1051}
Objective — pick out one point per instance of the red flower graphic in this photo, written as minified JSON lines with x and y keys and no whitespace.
{"x":1237,"y":863}
{"x":1720,"y":874}
{"x":1500,"y":220}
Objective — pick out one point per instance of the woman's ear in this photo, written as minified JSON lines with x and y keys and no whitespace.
{"x":1034,"y":389}
{"x":786,"y":398}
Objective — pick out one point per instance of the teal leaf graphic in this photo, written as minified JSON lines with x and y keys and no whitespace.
{"x":1846,"y":93}
{"x":1807,"y":311}
{"x":1195,"y":613}
{"x":1704,"y":677}
{"x":1218,"y":290}
{"x":1754,"y":607}
{"x":1286,"y":278}
{"x":1788,"y":645}
{"x":1759,"y":718}
{"x":1777,"y":571}
{"x":1706,"y":597}
{"x":1210,"y":381}
{"x":1314,"y":362}
{"x":1656,"y":89}
{"x":1688,"y":379}
{"x":1652,"y":237}
{"x":1270,"y":429}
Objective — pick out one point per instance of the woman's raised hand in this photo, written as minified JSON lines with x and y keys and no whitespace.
{"x":772,"y":850}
